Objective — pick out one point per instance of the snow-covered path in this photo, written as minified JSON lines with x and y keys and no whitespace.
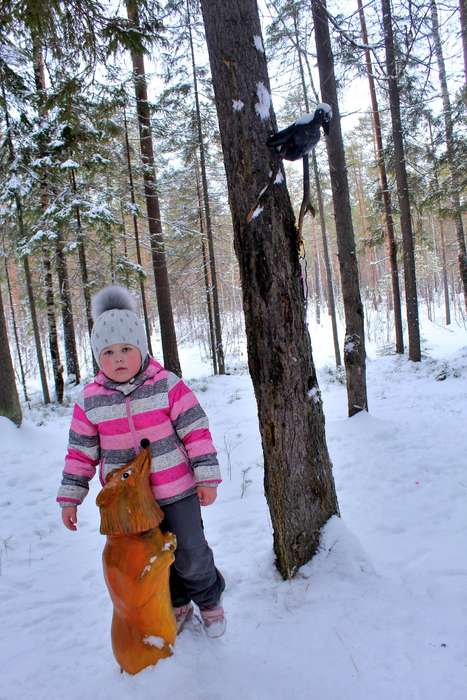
{"x":380,"y":612}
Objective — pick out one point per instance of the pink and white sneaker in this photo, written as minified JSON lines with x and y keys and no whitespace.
{"x":182,"y":615}
{"x":214,"y":621}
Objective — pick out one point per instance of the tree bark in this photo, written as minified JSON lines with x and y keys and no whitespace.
{"x":207,"y":283}
{"x":411,"y":301}
{"x":57,"y":367}
{"x":207,"y":211}
{"x":297,"y":469}
{"x":136,"y":232}
{"x":10,"y":406}
{"x":451,"y":151}
{"x":164,"y":304}
{"x":69,"y":339}
{"x":15,"y":332}
{"x":391,"y":244}
{"x":25,"y":261}
{"x":463,"y":22}
{"x":354,"y":344}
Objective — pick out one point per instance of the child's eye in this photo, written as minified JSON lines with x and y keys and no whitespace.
{"x":108,"y":353}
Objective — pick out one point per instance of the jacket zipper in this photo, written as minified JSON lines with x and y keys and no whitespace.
{"x":133,"y":432}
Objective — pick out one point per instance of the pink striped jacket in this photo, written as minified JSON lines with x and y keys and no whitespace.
{"x":110,"y":420}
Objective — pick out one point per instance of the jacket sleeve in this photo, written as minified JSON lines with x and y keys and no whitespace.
{"x":81,"y":458}
{"x":191,"y":425}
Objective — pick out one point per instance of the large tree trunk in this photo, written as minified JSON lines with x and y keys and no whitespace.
{"x":164,"y":304}
{"x":411,"y":301}
{"x":9,"y":402}
{"x":297,"y":469}
{"x":383,"y":179}
{"x":207,"y":211}
{"x":449,"y":138}
{"x":354,"y":344}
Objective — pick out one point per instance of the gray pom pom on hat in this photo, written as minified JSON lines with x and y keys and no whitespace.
{"x":116,"y":303}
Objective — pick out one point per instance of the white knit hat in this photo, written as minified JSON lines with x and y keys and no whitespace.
{"x":116,"y":321}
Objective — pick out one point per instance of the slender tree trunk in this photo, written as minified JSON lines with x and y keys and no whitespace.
{"x":136,"y":232}
{"x":69,"y":338}
{"x":207,"y":210}
{"x":383,"y":179}
{"x":15,"y":331}
{"x":354,"y":345}
{"x":451,"y":151}
{"x":322,"y":220}
{"x":445,"y":273}
{"x":83,"y":265}
{"x":298,"y":477}
{"x":57,"y":367}
{"x":402,"y":189}
{"x":207,"y":284}
{"x":164,"y":305}
{"x":25,"y":261}
{"x":463,"y":22}
{"x":10,"y":406}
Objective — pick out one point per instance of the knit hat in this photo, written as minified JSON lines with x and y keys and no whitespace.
{"x":116,"y":321}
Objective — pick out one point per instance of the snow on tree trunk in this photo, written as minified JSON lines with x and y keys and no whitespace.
{"x":297,"y":469}
{"x":354,"y":343}
{"x":411,"y":301}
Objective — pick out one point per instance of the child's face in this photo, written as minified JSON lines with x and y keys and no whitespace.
{"x":120,"y":361}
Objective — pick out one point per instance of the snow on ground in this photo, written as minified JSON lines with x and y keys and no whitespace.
{"x":380,"y":612}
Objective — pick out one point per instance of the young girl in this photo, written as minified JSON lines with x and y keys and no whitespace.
{"x":131,"y":398}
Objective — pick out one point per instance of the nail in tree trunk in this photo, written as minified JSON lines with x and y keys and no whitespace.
{"x":15,"y":332}
{"x":207,"y":209}
{"x":391,"y":244}
{"x":25,"y":261}
{"x":451,"y":151}
{"x":57,"y":367}
{"x":207,"y":283}
{"x":136,"y":232}
{"x":354,"y":343}
{"x":297,"y":469}
{"x":411,"y":301}
{"x":10,"y":406}
{"x":164,"y":305}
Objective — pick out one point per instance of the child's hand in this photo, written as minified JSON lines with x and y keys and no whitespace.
{"x":70,"y":517}
{"x":206,"y":494}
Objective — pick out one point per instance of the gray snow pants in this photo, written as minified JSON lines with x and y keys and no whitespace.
{"x":193,"y":575}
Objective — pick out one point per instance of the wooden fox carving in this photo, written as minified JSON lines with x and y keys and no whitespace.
{"x":136,"y":559}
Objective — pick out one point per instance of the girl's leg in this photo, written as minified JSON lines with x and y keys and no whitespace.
{"x":193,"y":573}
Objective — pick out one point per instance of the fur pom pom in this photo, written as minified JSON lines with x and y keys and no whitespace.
{"x":112,"y":297}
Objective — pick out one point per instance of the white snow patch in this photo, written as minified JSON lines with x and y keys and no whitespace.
{"x":263,"y":106}
{"x":258,"y":42}
{"x":154,"y":641}
{"x":305,"y":119}
{"x":279,"y":178}
{"x":257,"y":212}
{"x":69,"y":164}
{"x":237,"y":105}
{"x":314,"y":394}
